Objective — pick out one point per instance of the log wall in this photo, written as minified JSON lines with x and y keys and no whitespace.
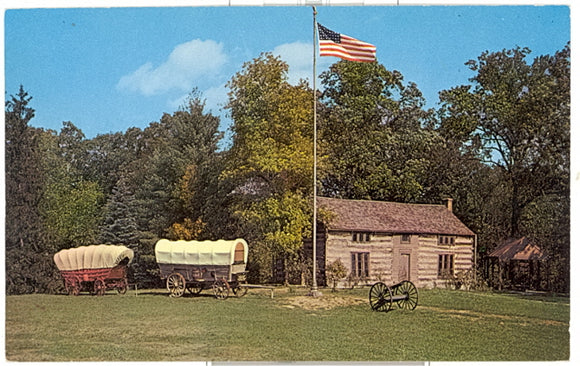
{"x":392,"y":259}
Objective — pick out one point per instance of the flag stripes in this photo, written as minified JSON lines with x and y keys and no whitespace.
{"x":340,"y":45}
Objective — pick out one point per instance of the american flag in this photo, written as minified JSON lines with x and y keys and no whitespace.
{"x":339,"y":45}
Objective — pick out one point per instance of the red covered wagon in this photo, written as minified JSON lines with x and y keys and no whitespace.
{"x":94,"y":268}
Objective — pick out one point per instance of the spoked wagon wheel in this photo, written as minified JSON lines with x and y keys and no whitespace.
{"x":239,"y":290}
{"x":381,"y":297}
{"x":122,"y":287}
{"x":73,"y":287}
{"x":176,"y":284}
{"x":410,"y":291}
{"x":194,"y":290}
{"x":99,"y":287}
{"x":221,"y":289}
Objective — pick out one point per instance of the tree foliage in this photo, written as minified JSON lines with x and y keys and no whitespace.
{"x":270,"y":160}
{"x":517,"y":116}
{"x":374,"y":134}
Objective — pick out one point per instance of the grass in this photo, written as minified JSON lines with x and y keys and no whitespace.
{"x":150,"y":326}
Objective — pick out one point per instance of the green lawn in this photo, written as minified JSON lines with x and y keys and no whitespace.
{"x":150,"y":326}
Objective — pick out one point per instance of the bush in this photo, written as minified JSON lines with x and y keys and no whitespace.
{"x":335,"y":272}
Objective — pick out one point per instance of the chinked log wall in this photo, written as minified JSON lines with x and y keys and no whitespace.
{"x":385,"y":251}
{"x":428,"y":258}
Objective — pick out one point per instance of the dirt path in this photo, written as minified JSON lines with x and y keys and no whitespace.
{"x":325,"y":302}
{"x":475,"y":316}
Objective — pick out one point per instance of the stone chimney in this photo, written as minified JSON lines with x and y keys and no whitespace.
{"x":449,"y":203}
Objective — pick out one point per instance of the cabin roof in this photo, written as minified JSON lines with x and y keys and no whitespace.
{"x":518,"y":249}
{"x":392,"y":217}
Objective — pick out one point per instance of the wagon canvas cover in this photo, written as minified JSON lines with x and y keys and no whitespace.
{"x":92,"y":257}
{"x":205,"y":253}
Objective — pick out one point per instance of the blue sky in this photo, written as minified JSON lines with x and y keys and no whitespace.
{"x":108,"y":69}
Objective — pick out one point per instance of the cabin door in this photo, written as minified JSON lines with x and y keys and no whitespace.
{"x":404,"y":267}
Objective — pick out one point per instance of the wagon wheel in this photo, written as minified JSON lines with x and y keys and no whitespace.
{"x":239,"y":290}
{"x":221,"y":289}
{"x":72,"y":287}
{"x":381,"y":297}
{"x":194,"y":290}
{"x":176,"y":284}
{"x":99,"y":287}
{"x":407,"y":288}
{"x":122,"y":286}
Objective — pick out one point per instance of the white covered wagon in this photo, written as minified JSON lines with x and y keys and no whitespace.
{"x":196,"y":265}
{"x":94,"y":268}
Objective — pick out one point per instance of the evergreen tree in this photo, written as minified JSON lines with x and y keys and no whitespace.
{"x":28,"y":266}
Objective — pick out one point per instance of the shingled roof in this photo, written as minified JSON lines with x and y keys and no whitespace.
{"x":519,"y":249}
{"x":392,"y":217}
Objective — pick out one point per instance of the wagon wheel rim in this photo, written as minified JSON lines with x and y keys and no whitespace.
{"x":380,"y":297}
{"x":221,"y":289}
{"x":122,"y":288}
{"x":99,"y":287}
{"x":408,"y":288}
{"x":239,"y":291}
{"x":76,"y":288}
{"x":176,"y":284}
{"x":72,"y":288}
{"x":194,"y":290}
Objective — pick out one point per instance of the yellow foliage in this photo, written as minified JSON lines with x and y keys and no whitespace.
{"x":187,"y":230}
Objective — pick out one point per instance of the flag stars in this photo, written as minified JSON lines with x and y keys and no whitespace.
{"x":327,"y":34}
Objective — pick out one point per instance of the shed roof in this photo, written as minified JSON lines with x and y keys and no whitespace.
{"x":519,"y":249}
{"x":392,"y":217}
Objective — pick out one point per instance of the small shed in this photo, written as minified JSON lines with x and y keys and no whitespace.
{"x":517,"y":264}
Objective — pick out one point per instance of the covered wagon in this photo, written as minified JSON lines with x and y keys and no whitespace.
{"x":197,"y":265}
{"x":94,"y":268}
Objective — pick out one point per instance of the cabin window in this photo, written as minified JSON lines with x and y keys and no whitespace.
{"x":360,"y":264}
{"x":446,"y":265}
{"x":446,"y":240}
{"x":406,"y":238}
{"x":361,"y":236}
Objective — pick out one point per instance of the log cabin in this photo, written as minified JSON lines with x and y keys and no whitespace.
{"x":391,"y":242}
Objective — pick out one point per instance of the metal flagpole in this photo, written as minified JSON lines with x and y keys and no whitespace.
{"x":314,"y":291}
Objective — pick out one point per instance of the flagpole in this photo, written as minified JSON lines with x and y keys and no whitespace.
{"x":314,"y":291}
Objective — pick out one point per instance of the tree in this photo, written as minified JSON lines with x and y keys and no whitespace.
{"x":517,"y":116}
{"x":70,"y":205}
{"x":23,"y":174}
{"x":269,"y":165}
{"x":373,"y":134}
{"x":28,"y":267}
{"x":167,"y":149}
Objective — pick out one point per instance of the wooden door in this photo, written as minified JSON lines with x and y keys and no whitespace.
{"x":404,"y":267}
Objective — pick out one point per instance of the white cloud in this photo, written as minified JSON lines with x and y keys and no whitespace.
{"x":187,"y":62}
{"x":299,"y":57}
{"x":215,"y":99}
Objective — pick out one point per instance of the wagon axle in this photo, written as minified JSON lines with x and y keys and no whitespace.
{"x":404,"y":294}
